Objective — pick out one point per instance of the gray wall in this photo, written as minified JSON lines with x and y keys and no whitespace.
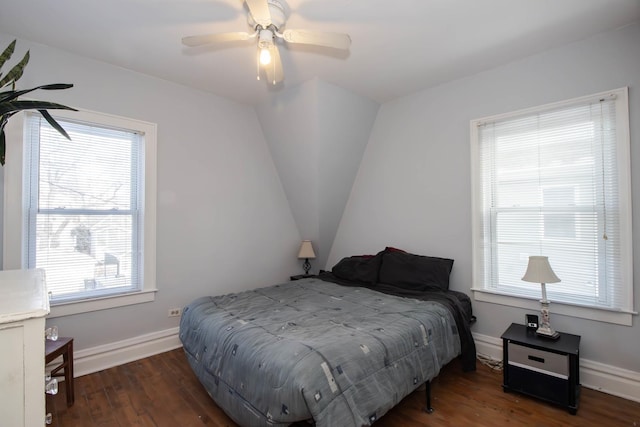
{"x":223,"y":221}
{"x":413,"y":187}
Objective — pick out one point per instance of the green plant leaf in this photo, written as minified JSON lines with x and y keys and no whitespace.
{"x":9,"y":95}
{"x":3,"y":147}
{"x":16,"y":72}
{"x":10,"y":104}
{"x":6,"y":54}
{"x":20,"y":105}
{"x":55,"y":86}
{"x":54,"y":124}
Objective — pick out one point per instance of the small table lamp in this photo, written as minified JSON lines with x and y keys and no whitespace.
{"x":539,"y":271}
{"x":306,"y":252}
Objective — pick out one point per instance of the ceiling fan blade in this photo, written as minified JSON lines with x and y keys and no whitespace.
{"x":193,"y":41}
{"x":260,"y":12}
{"x":333,"y":40}
{"x":274,"y":69}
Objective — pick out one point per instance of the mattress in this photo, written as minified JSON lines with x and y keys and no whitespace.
{"x":312,"y":349}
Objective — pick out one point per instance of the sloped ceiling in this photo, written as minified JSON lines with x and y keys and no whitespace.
{"x":398,"y":47}
{"x":317,"y":134}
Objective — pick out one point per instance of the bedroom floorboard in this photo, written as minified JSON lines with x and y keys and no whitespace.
{"x":162,"y":391}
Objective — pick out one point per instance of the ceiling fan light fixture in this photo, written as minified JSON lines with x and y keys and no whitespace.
{"x":265,"y":44}
{"x":265,"y":56}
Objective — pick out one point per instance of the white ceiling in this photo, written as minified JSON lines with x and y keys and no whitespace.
{"x":398,"y":46}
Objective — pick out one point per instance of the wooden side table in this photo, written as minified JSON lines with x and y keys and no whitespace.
{"x":63,"y":346}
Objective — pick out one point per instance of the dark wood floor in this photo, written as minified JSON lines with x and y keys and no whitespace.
{"x":162,"y":391}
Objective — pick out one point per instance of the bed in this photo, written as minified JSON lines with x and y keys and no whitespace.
{"x":338,"y":349}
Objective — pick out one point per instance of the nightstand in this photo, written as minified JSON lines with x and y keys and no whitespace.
{"x":542,"y":368}
{"x":301,"y":276}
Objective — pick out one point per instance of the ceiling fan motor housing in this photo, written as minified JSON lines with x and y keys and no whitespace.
{"x":279,"y":12}
{"x":265,"y":39}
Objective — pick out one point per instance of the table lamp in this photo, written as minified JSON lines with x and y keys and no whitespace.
{"x":306,"y":252}
{"x":539,"y":271}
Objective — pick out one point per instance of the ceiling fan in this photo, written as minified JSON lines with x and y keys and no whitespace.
{"x":267,"y":18}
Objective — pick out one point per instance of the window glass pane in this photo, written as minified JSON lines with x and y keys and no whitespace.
{"x":85,"y":253}
{"x":559,"y":223}
{"x":84,"y":225}
{"x":92,"y":171}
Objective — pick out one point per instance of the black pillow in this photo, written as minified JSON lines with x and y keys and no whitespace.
{"x":359,"y":268}
{"x":415,"y":272}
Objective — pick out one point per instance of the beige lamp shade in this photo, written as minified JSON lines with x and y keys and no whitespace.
{"x":539,"y":271}
{"x":306,"y":250}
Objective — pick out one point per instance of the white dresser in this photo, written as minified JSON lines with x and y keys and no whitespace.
{"x":24,"y":303}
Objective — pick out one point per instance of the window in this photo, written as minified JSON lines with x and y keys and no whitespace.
{"x":555,"y":181}
{"x":88,"y":215}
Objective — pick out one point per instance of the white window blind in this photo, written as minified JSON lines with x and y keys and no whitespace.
{"x":554,"y":181}
{"x":85,"y":216}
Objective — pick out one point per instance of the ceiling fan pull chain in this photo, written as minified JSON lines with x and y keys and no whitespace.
{"x":274,"y":72}
{"x":258,"y":65}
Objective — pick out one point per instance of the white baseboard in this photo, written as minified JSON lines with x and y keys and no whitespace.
{"x":594,"y":375}
{"x":94,"y":359}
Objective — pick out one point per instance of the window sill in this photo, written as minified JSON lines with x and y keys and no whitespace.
{"x":104,"y":303}
{"x":601,"y":315}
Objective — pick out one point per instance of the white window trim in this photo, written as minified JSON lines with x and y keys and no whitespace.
{"x":600,"y":315}
{"x":15,"y":215}
{"x":592,"y":313}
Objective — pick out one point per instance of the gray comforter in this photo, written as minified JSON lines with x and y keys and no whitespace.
{"x":342,"y":356}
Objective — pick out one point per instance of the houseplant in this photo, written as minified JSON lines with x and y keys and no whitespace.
{"x":10,"y":104}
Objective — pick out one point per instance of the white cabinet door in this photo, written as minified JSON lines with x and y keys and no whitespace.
{"x":12,"y":375}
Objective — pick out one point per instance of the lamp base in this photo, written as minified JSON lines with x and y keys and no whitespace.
{"x":545,"y":330}
{"x":547,"y":333}
{"x":306,"y":266}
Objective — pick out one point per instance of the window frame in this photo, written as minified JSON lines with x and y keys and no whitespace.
{"x":481,"y":290}
{"x":15,"y":207}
